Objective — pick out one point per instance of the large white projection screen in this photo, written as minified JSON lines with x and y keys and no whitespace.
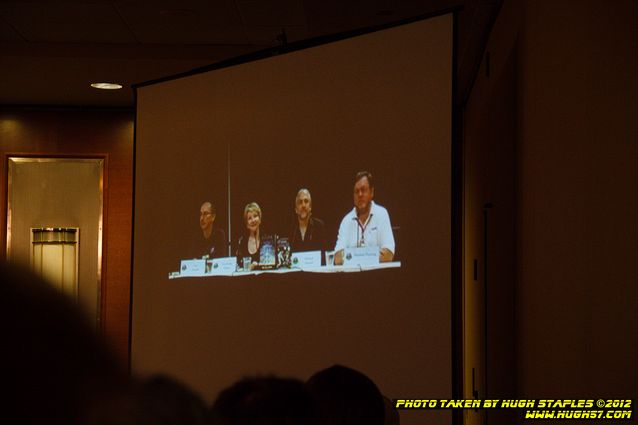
{"x":259,"y":131}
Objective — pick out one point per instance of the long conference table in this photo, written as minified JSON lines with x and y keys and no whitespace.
{"x":321,"y":269}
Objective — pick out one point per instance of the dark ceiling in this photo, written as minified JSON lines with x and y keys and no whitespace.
{"x":50,"y":51}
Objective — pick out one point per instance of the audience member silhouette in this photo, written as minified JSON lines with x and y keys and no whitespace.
{"x":391,"y":414}
{"x":264,"y":401}
{"x":54,"y":367}
{"x":345,"y":396}
{"x":162,"y":400}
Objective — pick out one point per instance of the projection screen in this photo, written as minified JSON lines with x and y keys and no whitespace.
{"x":257,"y":130}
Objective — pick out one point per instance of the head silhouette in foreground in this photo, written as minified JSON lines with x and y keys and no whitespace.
{"x":345,"y":396}
{"x":163,"y":400}
{"x":264,"y":401}
{"x":54,"y":367}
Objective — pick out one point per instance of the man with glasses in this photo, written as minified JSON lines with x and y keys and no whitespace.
{"x":368,"y":224}
{"x":213,"y":243}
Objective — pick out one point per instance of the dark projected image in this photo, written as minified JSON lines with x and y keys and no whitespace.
{"x":364,"y":239}
{"x":294,"y":208}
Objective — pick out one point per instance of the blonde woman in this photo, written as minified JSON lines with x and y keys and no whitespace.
{"x":248,"y":244}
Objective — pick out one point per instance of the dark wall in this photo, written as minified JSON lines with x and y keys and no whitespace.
{"x":566,"y":149}
{"x":577,"y":199}
{"x":86,"y":132}
{"x":490,"y":133}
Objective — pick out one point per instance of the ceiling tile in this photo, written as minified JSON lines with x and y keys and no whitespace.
{"x":272,"y":13}
{"x":76,"y":42}
{"x":68,"y":82}
{"x":7,"y":33}
{"x":332,"y":16}
{"x":71,"y":22}
{"x":271,"y":35}
{"x":184,"y":22}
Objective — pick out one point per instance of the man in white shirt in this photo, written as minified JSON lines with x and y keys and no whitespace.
{"x":368,"y":224}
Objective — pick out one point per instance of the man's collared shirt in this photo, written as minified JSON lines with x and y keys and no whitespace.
{"x":376,"y":231}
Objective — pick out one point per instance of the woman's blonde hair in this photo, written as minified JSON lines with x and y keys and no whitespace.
{"x":252,"y":207}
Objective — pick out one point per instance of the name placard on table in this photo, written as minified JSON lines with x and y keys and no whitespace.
{"x":224,"y":266}
{"x":306,"y":262}
{"x":307,"y":259}
{"x":362,"y":256}
{"x":193,"y":267}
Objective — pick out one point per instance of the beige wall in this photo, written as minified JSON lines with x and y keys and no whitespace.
{"x":575,"y":157}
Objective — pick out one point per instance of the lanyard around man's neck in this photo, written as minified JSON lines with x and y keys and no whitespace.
{"x":361,"y":241}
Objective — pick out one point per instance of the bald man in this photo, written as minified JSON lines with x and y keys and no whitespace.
{"x":308,"y":231}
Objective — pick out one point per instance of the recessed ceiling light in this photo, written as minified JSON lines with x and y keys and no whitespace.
{"x":106,"y":86}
